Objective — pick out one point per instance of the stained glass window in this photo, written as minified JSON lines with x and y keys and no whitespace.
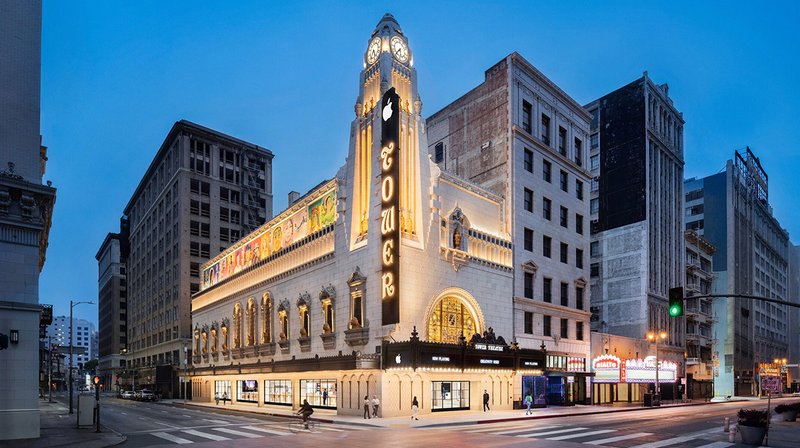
{"x":450,"y":319}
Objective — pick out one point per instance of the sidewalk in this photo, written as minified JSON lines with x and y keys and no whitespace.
{"x":438,"y":419}
{"x":58,"y":430}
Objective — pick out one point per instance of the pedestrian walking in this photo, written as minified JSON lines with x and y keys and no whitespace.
{"x":325,"y":397}
{"x":224,"y":398}
{"x":486,"y":401}
{"x":366,"y":407}
{"x":375,"y":404}
{"x":414,"y":409}
{"x":216,"y":397}
{"x":528,"y":402}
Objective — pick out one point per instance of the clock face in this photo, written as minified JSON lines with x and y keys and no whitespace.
{"x":374,"y":50}
{"x":399,"y":49}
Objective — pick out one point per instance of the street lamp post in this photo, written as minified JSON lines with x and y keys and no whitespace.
{"x":71,"y":306}
{"x":653,"y":336}
{"x":185,"y":367}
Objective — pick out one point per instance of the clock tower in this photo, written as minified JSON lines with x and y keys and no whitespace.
{"x":388,"y":63}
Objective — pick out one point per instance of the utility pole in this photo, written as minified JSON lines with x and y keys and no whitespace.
{"x":71,"y":306}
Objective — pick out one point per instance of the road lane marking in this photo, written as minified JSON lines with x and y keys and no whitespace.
{"x":582,"y":434}
{"x":547,"y":433}
{"x":207,"y":436}
{"x":216,"y":422}
{"x":268,"y":431}
{"x":238,"y":433}
{"x":171,"y":438}
{"x":528,"y":428}
{"x":495,"y":427}
{"x":667,"y":442}
{"x":716,"y":445}
{"x":619,"y":438}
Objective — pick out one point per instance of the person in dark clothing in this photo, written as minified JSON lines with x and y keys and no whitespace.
{"x":305,"y":410}
{"x":366,"y":407}
{"x":414,"y":409}
{"x":486,"y":401}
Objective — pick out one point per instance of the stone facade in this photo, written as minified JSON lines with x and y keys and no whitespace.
{"x":112,"y":286}
{"x":700,"y":354}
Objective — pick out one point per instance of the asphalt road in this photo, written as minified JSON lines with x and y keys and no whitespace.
{"x":153,"y":424}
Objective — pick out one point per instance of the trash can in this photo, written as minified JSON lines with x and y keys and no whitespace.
{"x":657,"y":400}
{"x":648,"y":399}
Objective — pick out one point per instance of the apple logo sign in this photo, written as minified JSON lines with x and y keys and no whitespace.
{"x":387,"y":110}
{"x":397,"y":359}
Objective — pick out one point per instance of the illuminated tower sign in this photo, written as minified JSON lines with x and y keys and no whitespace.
{"x":390,"y":205}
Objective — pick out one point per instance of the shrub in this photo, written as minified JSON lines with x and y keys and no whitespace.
{"x":787,"y":407}
{"x":753,"y":417}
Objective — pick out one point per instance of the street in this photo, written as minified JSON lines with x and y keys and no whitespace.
{"x":159,"y":424}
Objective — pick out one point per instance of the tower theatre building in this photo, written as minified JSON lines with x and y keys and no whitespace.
{"x":393,"y":278}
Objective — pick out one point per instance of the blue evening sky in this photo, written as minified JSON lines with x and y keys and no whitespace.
{"x":116,"y":75}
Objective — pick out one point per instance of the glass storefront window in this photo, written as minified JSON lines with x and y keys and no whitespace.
{"x":247,"y":391}
{"x":223,"y":389}
{"x":320,"y":393}
{"x":278,"y":392}
{"x":537,"y":387}
{"x":449,"y":395}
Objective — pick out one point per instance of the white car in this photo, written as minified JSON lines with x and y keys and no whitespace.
{"x":128,"y":395}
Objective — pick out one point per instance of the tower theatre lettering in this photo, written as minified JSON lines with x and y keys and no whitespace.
{"x":390,"y":206}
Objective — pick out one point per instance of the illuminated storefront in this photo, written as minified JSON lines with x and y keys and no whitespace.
{"x":627,"y":380}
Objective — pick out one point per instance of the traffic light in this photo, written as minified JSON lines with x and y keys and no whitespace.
{"x":676,"y":302}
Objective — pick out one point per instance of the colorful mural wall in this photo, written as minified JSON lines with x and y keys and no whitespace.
{"x":280,"y":233}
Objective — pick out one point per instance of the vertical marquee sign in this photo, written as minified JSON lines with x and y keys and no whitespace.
{"x":390,"y":207}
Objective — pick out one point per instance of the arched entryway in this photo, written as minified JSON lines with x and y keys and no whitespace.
{"x":452,"y":313}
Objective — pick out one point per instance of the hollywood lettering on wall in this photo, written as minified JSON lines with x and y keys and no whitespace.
{"x":279,"y":233}
{"x":390,"y":206}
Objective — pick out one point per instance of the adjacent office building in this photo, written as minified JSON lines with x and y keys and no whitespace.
{"x":112,"y":286}
{"x":523,"y":138}
{"x":731,"y":210}
{"x":700,"y":361}
{"x":26,"y":210}
{"x":794,"y":318}
{"x":82,"y":331}
{"x":202,"y":192}
{"x":637,"y":239}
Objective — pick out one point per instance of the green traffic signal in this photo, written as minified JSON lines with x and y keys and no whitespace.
{"x":674,"y":311}
{"x":676,"y":302}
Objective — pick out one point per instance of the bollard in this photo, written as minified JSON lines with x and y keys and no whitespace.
{"x":727,"y":425}
{"x":732,"y":435}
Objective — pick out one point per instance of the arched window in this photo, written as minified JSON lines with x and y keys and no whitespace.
{"x":449,"y":319}
{"x":326,"y":298}
{"x":204,"y":337}
{"x":197,"y":339}
{"x":251,"y":322}
{"x":283,"y":315}
{"x":224,"y":330}
{"x":237,"y":325}
{"x":214,"y":337}
{"x":266,"y":318}
{"x":305,"y":315}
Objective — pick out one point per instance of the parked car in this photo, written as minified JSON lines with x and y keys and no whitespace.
{"x":147,"y":395}
{"x":128,"y":395}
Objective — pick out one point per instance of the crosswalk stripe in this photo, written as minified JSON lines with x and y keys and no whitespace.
{"x":216,"y":422}
{"x":619,"y":438}
{"x":547,"y":433}
{"x":328,"y":428}
{"x":582,"y":434}
{"x":495,"y":427}
{"x":207,"y":436}
{"x":268,"y":431}
{"x":527,"y":428}
{"x":667,"y":442}
{"x":171,"y":438}
{"x":716,"y":445}
{"x":238,"y":433}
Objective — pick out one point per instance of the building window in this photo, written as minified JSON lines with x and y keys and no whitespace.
{"x":547,"y":289}
{"x":546,"y":207}
{"x":579,"y":258}
{"x":579,"y":298}
{"x":528,"y":283}
{"x":451,"y":319}
{"x":579,"y":331}
{"x":223,"y":389}
{"x":319,"y":392}
{"x":594,"y":270}
{"x":278,"y":392}
{"x":545,"y":129}
{"x":327,"y":298}
{"x":526,"y":116}
{"x":594,"y":206}
{"x":564,"y":250}
{"x":564,"y":294}
{"x":528,"y":160}
{"x":564,"y":328}
{"x":594,"y":249}
{"x":579,"y":223}
{"x":564,"y":179}
{"x":266,"y":318}
{"x":594,"y":162}
{"x":528,"y":322}
{"x":358,"y":288}
{"x":578,"y":152}
{"x":438,"y":153}
{"x":528,"y":200}
{"x":595,"y":184}
{"x":528,"y":239}
{"x":578,"y":189}
{"x":547,"y":169}
{"x":594,"y":140}
{"x":562,"y":141}
{"x":546,"y":246}
{"x":546,"y":326}
{"x":564,"y":217}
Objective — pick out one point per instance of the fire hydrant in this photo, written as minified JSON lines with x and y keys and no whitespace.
{"x":732,"y":435}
